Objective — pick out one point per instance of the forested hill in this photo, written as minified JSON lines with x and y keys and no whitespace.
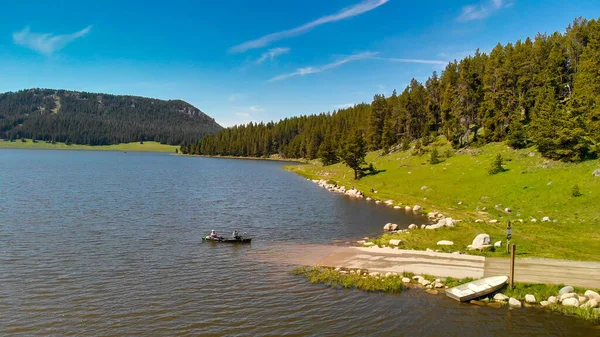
{"x":542,"y":91}
{"x":99,"y":119}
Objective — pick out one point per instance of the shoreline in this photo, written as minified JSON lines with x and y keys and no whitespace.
{"x":122,"y":147}
{"x":471,"y":200}
{"x":284,"y":160}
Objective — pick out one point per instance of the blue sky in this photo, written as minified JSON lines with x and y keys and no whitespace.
{"x":257,"y":60}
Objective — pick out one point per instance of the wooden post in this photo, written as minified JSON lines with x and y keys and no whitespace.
{"x":508,"y":236}
{"x":512,"y":266}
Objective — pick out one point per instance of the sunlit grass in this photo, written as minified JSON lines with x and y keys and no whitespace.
{"x":460,"y":187}
{"x":133,"y":147}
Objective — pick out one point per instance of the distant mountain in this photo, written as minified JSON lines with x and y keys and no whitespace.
{"x":100,"y":119}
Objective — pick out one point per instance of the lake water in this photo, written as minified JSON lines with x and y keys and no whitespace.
{"x":109,"y":243}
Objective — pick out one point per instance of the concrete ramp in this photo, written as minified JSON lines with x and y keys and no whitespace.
{"x":396,"y":260}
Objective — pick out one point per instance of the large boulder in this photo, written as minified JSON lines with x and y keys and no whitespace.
{"x":571,"y":302}
{"x":592,"y":295}
{"x":390,"y":227}
{"x":565,"y":290}
{"x":481,"y":241}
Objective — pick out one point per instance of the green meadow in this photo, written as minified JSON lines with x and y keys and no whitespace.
{"x":133,"y":147}
{"x":460,"y":187}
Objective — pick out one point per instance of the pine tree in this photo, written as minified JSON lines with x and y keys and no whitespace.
{"x":353,"y":153}
{"x":327,"y":153}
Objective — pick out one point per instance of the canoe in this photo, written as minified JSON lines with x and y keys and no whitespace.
{"x":477,"y":288}
{"x":227,"y":240}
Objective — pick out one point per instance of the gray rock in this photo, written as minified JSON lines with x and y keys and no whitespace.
{"x":368,"y":199}
{"x":417,"y":208}
{"x":390,"y":227}
{"x":545,"y":303}
{"x":445,"y":243}
{"x":582,"y":299}
{"x":530,"y":298}
{"x":425,"y":282}
{"x":413,"y":226}
{"x":407,"y":208}
{"x":571,"y":302}
{"x":481,"y":240}
{"x":395,"y":242}
{"x":546,"y":219}
{"x":592,"y":294}
{"x":423,"y":226}
{"x":507,"y":210}
{"x":493,"y":221}
{"x":592,"y":303}
{"x":565,"y":290}
{"x":405,"y":280}
{"x":552,"y":299}
{"x":513,"y":302}
{"x":567,"y":295}
{"x":368,"y":244}
{"x":500,"y":297}
{"x":498,"y":244}
{"x":596,"y":173}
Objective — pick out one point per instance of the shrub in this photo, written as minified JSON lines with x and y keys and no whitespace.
{"x":434,"y":157}
{"x":575,"y":191}
{"x":448,"y":153}
{"x":496,"y":165}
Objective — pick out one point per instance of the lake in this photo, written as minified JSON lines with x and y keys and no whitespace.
{"x":109,"y":243}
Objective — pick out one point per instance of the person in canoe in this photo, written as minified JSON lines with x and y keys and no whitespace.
{"x":214,"y":235}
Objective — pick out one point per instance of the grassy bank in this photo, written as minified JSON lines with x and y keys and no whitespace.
{"x":362,"y":279}
{"x":342,"y":279}
{"x":133,"y":147}
{"x":461,"y":187}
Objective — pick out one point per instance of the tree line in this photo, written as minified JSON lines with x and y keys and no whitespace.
{"x":99,"y":119}
{"x":542,"y":92}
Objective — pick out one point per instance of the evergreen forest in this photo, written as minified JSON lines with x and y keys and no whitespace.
{"x":542,"y":91}
{"x":99,"y":119}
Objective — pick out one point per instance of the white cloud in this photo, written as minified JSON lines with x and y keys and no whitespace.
{"x":237,"y":97}
{"x":256,"y":109}
{"x":483,"y":10}
{"x":313,"y":70}
{"x":242,"y":114}
{"x":393,"y":59}
{"x":364,"y":6}
{"x":343,"y":106}
{"x":46,"y":43}
{"x":355,"y":57}
{"x":271,"y":54}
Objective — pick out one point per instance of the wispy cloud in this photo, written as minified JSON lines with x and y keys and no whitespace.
{"x":483,"y":10}
{"x":46,"y":43}
{"x":393,"y":59}
{"x":362,"y":7}
{"x":355,"y":57}
{"x":313,"y":70}
{"x":237,"y":97}
{"x":343,"y":106}
{"x":255,"y":108}
{"x":242,"y":114}
{"x":271,"y":54}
